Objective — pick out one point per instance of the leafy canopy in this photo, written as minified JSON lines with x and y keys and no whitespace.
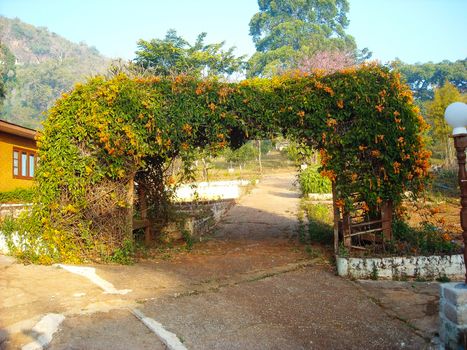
{"x":424,"y":78}
{"x":441,"y":131}
{"x":174,"y":55}
{"x":285,"y":30}
{"x":7,"y":69}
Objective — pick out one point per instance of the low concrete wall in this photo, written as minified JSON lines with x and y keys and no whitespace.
{"x":198,"y":218}
{"x":212,"y":190}
{"x":13,"y":209}
{"x":427,"y":267}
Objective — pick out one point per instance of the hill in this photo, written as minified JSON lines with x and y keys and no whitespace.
{"x":45,"y":65}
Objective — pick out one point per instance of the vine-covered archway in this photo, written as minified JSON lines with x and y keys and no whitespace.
{"x":101,"y":135}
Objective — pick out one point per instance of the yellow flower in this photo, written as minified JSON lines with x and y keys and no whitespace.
{"x":187,"y":128}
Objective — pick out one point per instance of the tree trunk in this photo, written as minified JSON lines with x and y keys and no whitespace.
{"x":259,"y":157}
{"x":130,"y":201}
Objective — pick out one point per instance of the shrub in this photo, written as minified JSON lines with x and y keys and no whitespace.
{"x":320,"y":227}
{"x":19,"y":195}
{"x":311,"y":181}
{"x":424,"y":240}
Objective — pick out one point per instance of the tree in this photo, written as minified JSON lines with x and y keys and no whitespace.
{"x":286,"y":30}
{"x":424,"y":78}
{"x":174,"y":55}
{"x":444,"y":96}
{"x":328,"y":61}
{"x":7,"y":69}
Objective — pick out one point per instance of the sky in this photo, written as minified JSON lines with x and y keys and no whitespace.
{"x":411,"y":30}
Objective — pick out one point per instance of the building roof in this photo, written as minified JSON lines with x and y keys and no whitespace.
{"x":17,"y":130}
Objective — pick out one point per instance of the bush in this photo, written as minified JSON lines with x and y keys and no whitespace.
{"x":312,"y":182}
{"x":426,"y":239}
{"x":320,"y":223}
{"x":19,"y":195}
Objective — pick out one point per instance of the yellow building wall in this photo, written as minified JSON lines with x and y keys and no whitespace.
{"x":7,"y":142}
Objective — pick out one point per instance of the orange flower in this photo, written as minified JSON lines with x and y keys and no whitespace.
{"x":340,"y":203}
{"x":375,"y":153}
{"x":396,"y":166}
{"x":379,"y":200}
{"x":330,"y":174}
{"x":301,"y":114}
{"x":365,"y":207}
{"x":323,"y":157}
{"x":212,"y":106}
{"x":446,"y":237}
{"x":435,"y":210}
{"x":185,"y":146}
{"x":171,"y":180}
{"x":379,"y":108}
{"x":354,"y":177}
{"x":396,"y":114}
{"x":331,"y":122}
{"x":362,"y":148}
{"x":400,"y":140}
{"x":340,"y":104}
{"x":329,"y":90}
{"x":220,"y":136}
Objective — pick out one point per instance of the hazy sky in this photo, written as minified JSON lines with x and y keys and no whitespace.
{"x":413,"y":30}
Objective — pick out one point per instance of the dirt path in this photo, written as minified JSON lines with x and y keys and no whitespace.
{"x":250,"y":287}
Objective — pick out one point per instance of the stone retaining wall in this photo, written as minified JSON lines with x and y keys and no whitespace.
{"x":215,"y":190}
{"x":13,"y":209}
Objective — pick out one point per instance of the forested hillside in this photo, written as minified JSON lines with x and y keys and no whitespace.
{"x":41,"y":65}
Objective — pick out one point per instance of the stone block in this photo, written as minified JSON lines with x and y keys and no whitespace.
{"x":452,"y":336}
{"x":454,"y":293}
{"x":456,"y":314}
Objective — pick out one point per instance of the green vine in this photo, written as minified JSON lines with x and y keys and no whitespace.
{"x":107,"y":133}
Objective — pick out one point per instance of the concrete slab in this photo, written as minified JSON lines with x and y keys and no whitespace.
{"x":305,"y":309}
{"x":116,"y":330}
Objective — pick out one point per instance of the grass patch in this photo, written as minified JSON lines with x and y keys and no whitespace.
{"x":319,"y":222}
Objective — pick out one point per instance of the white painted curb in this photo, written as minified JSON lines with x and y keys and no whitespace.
{"x":90,"y":274}
{"x":46,"y":328}
{"x":168,"y":338}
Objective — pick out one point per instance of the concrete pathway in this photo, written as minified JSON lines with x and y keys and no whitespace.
{"x":250,"y":287}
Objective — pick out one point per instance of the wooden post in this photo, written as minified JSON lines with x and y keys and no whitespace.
{"x":336,"y":220}
{"x":386,"y":220}
{"x":259,"y":157}
{"x":143,"y":203}
{"x":460,"y":143}
{"x":346,"y":230}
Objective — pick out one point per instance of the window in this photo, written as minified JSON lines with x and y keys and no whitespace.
{"x":24,"y":163}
